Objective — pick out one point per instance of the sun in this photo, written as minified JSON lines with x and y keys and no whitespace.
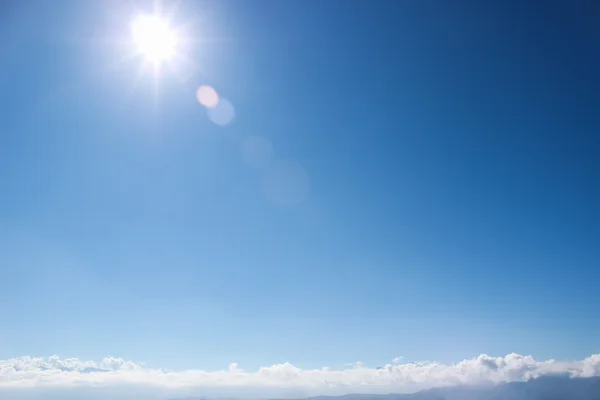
{"x":153,"y":38}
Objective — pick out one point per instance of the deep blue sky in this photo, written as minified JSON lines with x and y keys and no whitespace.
{"x":454,"y":205}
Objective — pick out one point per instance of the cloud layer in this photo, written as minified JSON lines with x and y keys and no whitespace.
{"x":25,"y":374}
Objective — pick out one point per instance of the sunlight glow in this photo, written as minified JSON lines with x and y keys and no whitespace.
{"x":153,"y":38}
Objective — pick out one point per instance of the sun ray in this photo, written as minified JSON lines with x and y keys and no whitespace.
{"x":153,"y":38}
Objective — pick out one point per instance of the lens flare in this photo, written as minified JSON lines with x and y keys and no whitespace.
{"x":207,"y":96}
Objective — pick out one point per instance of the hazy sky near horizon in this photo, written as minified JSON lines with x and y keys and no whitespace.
{"x":382,"y":179}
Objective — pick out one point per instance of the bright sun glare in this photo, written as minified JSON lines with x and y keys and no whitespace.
{"x":153,"y":38}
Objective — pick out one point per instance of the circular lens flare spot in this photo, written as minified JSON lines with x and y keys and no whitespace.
{"x":207,"y":96}
{"x":222,"y":114}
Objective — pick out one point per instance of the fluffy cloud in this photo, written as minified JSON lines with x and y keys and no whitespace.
{"x":19,"y":375}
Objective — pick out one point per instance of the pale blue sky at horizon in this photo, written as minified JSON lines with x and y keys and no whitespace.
{"x":400,"y":178}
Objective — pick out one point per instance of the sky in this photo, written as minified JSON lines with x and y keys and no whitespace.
{"x":380,"y":184}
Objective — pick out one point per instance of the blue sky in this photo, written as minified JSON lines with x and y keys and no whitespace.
{"x":447,"y":156}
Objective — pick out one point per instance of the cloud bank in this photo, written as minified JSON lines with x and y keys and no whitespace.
{"x":29,"y":374}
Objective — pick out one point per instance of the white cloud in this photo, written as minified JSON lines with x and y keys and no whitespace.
{"x":30,"y":374}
